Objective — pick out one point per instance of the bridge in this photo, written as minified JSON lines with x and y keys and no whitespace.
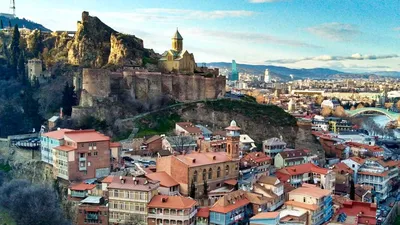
{"x":373,"y":110}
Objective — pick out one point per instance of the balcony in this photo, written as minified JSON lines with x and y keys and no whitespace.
{"x":82,"y":168}
{"x":318,"y":214}
{"x":78,"y":194}
{"x":82,"y":159}
{"x":295,"y":180}
{"x":157,"y":215}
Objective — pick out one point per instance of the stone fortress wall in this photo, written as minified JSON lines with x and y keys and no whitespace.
{"x":144,"y":86}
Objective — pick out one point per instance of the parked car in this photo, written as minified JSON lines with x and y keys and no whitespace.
{"x":128,"y":159}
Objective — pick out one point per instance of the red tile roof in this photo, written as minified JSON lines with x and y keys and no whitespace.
{"x":86,"y":136}
{"x":302,"y":205}
{"x":65,"y":148}
{"x":266,"y":215}
{"x":232,"y":182}
{"x":202,"y":159}
{"x":108,"y":179}
{"x":354,"y":209}
{"x":225,"y":209}
{"x":165,"y":179}
{"x":58,"y":134}
{"x":115,"y":144}
{"x":302,"y":169}
{"x":230,"y":201}
{"x":203,"y":212}
{"x":131,"y":183}
{"x":171,"y":202}
{"x":358,"y":160}
{"x":256,"y":157}
{"x":82,"y":187}
{"x":339,"y":167}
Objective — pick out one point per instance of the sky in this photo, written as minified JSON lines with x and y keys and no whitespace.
{"x":348,"y":35}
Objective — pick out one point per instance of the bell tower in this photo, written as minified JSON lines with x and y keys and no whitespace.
{"x":177,"y":41}
{"x":232,"y":140}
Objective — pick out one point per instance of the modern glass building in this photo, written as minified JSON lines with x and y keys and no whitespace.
{"x":235,"y":74}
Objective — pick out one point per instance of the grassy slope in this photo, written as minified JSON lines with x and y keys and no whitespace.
{"x":163,"y":122}
{"x":6,"y":219}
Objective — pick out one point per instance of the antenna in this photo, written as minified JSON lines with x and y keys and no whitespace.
{"x":12,"y":6}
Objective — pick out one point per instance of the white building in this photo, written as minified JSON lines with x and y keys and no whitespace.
{"x":267,"y":76}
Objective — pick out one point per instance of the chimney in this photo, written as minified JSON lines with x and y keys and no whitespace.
{"x":164,"y":199}
{"x":61,"y":113}
{"x":193,"y":160}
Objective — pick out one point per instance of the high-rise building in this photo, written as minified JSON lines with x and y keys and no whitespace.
{"x":235,"y":74}
{"x":267,"y":76}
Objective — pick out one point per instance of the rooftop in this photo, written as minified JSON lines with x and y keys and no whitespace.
{"x":171,"y":202}
{"x":65,"y":148}
{"x":293,"y":154}
{"x":311,"y":190}
{"x":58,"y":134}
{"x":82,"y":187}
{"x":92,"y":200}
{"x":303,"y":168}
{"x":165,"y":179}
{"x":364,"y":212}
{"x":200,"y":159}
{"x":302,"y":205}
{"x":256,"y":157}
{"x":203,"y":212}
{"x":268,"y":180}
{"x":230,"y":202}
{"x":266,"y":215}
{"x":85,"y":136}
{"x":133,"y":183}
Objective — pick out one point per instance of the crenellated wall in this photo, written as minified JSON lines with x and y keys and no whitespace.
{"x":145,"y":86}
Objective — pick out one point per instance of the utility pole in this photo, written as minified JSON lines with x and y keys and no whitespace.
{"x":12,"y":6}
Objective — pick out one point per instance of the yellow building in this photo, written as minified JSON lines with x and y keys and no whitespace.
{"x":176,"y":59}
{"x":129,"y":196}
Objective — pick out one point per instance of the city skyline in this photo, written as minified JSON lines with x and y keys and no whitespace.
{"x":353,"y":36}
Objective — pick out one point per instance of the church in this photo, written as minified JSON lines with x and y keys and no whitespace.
{"x":177,"y":60}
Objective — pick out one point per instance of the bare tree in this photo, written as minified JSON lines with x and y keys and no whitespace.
{"x":181,"y":143}
{"x":339,"y":111}
{"x":326,"y":111}
{"x":134,"y":220}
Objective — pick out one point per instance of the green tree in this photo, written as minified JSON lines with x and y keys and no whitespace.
{"x":15,"y":50}
{"x":205,"y":187}
{"x":32,"y":118}
{"x":68,"y":99}
{"x":352,"y":190}
{"x":192,"y":193}
{"x":21,"y":69}
{"x":37,"y":47}
{"x":10,"y":119}
{"x":1,"y":24}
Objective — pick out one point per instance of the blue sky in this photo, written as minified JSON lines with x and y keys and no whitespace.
{"x":349,"y":35}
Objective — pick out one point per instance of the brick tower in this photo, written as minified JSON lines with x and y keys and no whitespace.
{"x":232,"y":140}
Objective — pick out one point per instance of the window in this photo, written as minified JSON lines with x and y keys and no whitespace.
{"x":218,"y":172}
{"x":82,"y":164}
{"x":83,"y":145}
{"x":82,"y":155}
{"x":227,"y":170}
{"x":210,"y":174}
{"x":204,"y":174}
{"x":195,"y":176}
{"x":95,"y":153}
{"x":88,"y":164}
{"x":89,"y":154}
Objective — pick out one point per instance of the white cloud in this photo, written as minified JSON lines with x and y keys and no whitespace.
{"x":264,"y":1}
{"x":356,"y":56}
{"x":250,"y":37}
{"x":335,"y":31}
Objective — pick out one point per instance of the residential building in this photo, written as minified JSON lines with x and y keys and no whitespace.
{"x":343,"y":175}
{"x":116,"y":150}
{"x":354,"y":163}
{"x":257,"y":160}
{"x":217,"y":145}
{"x":307,"y":173}
{"x":273,"y":146}
{"x":379,"y":174}
{"x":232,"y":208}
{"x":50,"y":140}
{"x":265,"y":218}
{"x":362,"y":150}
{"x":153,"y":144}
{"x":363,"y":193}
{"x":315,"y":201}
{"x":77,"y":155}
{"x":272,"y":188}
{"x":179,"y":144}
{"x":187,"y":129}
{"x":93,"y":210}
{"x":355,"y":213}
{"x":290,"y":158}
{"x":206,"y":133}
{"x":203,"y":216}
{"x":293,"y":217}
{"x":246,"y":143}
{"x":168,"y":186}
{"x":213,"y":167}
{"x":129,"y":196}
{"x":79,"y":191}
{"x":163,"y":209}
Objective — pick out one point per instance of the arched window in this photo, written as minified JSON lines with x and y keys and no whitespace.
{"x":229,"y":149}
{"x":195,"y":176}
{"x":210,"y":174}
{"x":204,"y":174}
{"x":218,"y":172}
{"x":227,"y":170}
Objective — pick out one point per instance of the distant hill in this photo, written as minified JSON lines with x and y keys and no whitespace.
{"x":6,"y":18}
{"x":283,"y":73}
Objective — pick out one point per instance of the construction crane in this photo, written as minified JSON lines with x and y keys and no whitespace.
{"x":12,"y":6}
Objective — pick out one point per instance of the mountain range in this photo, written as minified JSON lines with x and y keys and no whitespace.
{"x":283,"y":73}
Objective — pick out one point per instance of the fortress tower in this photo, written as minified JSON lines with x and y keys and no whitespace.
{"x":232,"y":140}
{"x":177,"y":41}
{"x":34,"y":68}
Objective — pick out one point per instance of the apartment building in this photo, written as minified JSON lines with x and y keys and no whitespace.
{"x":273,"y":146}
{"x":93,"y":210}
{"x":257,"y":160}
{"x":269,"y":218}
{"x":307,"y":173}
{"x":77,"y":154}
{"x":187,"y":129}
{"x":315,"y":201}
{"x":129,"y":196}
{"x":173,"y":210}
{"x":355,"y":213}
{"x":168,"y":186}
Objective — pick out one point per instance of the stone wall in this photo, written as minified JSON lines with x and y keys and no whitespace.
{"x":146,"y":86}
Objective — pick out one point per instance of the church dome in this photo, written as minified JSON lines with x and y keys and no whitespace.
{"x":233,"y":123}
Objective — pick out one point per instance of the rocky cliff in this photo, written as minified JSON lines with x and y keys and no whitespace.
{"x":258,"y":121}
